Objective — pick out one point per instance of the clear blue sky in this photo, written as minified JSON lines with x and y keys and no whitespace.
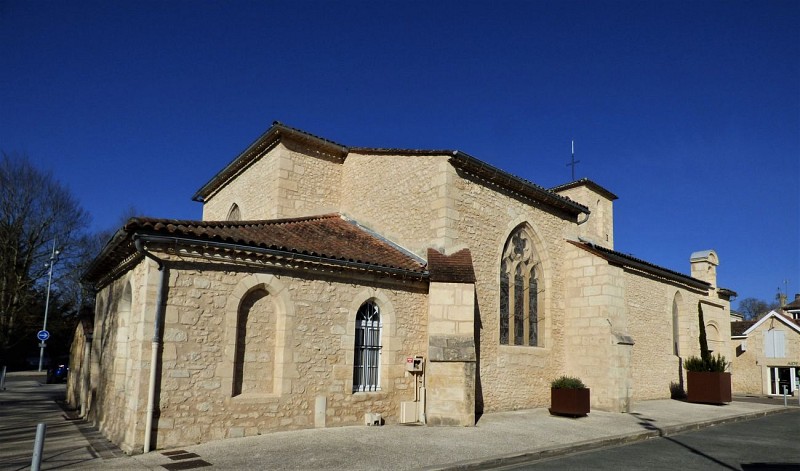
{"x":688,"y":111}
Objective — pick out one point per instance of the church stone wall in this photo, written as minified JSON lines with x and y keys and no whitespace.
{"x":116,"y":365}
{"x":396,"y":196}
{"x":313,"y":357}
{"x":654,"y":365}
{"x":510,"y":377}
{"x":597,"y":335}
{"x":600,"y":226}
{"x":254,"y":191}
{"x":287,"y":181}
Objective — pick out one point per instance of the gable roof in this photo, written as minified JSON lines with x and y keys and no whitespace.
{"x":628,"y":261}
{"x":772,"y":315}
{"x":279,"y":131}
{"x":326,"y":239}
{"x":587,"y":183}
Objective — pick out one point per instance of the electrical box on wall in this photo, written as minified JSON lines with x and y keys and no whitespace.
{"x":415,"y":364}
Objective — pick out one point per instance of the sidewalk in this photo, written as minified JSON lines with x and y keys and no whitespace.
{"x":499,"y":438}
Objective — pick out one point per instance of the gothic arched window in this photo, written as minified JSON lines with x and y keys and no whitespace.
{"x":367,"y":348}
{"x":519,"y":291}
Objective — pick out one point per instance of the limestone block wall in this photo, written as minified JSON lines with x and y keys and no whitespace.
{"x":309,"y":183}
{"x":255,"y":190}
{"x":650,"y":308}
{"x":451,"y":372}
{"x":116,"y":365}
{"x":598,"y":333}
{"x":311,"y":356}
{"x":511,"y":377}
{"x":78,"y":368}
{"x":402,"y":197}
{"x":287,"y":181}
{"x":600,"y":226}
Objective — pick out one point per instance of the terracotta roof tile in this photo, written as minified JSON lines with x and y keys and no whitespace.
{"x":739,"y":327}
{"x":455,"y":268}
{"x":329,"y":237}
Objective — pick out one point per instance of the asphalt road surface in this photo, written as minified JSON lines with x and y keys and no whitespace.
{"x":770,"y":443}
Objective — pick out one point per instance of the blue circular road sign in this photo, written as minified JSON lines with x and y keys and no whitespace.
{"x":43,"y":335}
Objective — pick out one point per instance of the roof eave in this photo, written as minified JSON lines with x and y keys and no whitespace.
{"x":626,"y":261}
{"x":514,"y":183}
{"x":275,"y":134}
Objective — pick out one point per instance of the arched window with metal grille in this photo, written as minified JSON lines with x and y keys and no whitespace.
{"x":366,"y":367}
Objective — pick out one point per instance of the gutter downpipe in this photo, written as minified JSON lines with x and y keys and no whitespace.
{"x":156,"y":344}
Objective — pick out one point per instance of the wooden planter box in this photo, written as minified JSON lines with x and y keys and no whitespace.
{"x":569,"y":402}
{"x":708,"y":387}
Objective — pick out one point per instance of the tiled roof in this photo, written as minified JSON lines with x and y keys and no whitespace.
{"x":794,"y":305}
{"x":626,"y":260}
{"x":739,"y":327}
{"x":327,"y":238}
{"x":454,"y":268}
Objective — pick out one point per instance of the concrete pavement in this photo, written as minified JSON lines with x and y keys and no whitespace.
{"x":499,"y":438}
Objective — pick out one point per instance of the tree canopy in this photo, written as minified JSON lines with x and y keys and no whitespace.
{"x":752,"y":308}
{"x":36,"y":212}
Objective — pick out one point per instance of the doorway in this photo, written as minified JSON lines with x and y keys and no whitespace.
{"x":782,"y":377}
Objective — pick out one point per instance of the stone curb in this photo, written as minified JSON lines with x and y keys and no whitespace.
{"x":589,"y":445}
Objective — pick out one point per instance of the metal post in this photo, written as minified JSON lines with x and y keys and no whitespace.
{"x":47,"y":301}
{"x":3,"y":380}
{"x":785,"y":403}
{"x":38,"y":447}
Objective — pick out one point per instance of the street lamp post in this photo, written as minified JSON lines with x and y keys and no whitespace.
{"x":47,"y":301}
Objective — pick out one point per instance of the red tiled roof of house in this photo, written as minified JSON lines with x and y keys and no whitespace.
{"x":454,"y":268}
{"x":326,"y":238}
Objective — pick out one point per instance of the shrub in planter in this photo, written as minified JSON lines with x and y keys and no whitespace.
{"x":569,"y":396}
{"x":706,"y":379}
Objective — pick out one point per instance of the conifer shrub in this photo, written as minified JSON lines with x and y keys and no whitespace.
{"x":567,"y":382}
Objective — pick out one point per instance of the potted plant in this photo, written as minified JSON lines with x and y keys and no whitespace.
{"x":569,"y":396}
{"x":706,"y":378}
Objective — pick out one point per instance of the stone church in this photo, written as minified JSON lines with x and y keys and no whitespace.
{"x":329,"y":285}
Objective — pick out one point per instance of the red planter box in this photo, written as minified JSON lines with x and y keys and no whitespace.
{"x":708,"y":387}
{"x":569,"y":402}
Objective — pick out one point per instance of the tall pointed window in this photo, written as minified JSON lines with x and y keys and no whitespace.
{"x":367,"y":362}
{"x":519,"y":291}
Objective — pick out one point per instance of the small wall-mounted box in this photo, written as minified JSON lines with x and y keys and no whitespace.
{"x":415,"y":364}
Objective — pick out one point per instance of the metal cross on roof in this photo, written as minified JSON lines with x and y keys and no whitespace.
{"x":574,"y":162}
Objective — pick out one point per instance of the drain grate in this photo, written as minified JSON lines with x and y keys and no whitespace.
{"x":183,"y":460}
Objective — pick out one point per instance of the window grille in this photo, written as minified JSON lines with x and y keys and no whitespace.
{"x":366,"y":367}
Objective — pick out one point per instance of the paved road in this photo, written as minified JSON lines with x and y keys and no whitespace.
{"x":769,"y":443}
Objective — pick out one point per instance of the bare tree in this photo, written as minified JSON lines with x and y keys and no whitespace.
{"x":36,"y":211}
{"x":752,"y":308}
